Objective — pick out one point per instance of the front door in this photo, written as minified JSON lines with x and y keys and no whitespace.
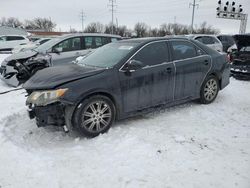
{"x":152,"y":84}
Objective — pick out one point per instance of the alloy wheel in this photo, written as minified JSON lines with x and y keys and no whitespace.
{"x":211,"y":89}
{"x":96,"y":116}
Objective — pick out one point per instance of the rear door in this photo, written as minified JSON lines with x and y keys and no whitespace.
{"x":151,"y":85}
{"x":192,"y":65}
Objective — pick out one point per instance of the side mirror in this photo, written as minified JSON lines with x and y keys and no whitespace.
{"x":133,"y":65}
{"x":57,"y":50}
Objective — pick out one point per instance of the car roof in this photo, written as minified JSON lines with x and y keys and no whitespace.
{"x":12,"y":35}
{"x":152,"y":39}
{"x":200,"y":35}
{"x":88,"y":34}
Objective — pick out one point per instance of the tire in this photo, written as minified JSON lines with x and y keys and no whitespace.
{"x":209,"y":90}
{"x":94,"y":116}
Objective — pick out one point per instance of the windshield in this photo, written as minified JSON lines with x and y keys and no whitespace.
{"x":47,"y":45}
{"x":108,"y":55}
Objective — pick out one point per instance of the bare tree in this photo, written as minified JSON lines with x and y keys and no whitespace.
{"x":122,"y":31}
{"x":204,"y":28}
{"x":165,"y":29}
{"x":94,"y":27}
{"x":40,"y":24}
{"x":11,"y":22}
{"x":72,"y":30}
{"x":153,"y":32}
{"x":108,"y":29}
{"x":141,"y":29}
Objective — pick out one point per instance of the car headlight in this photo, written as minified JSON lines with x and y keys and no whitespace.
{"x":43,"y":98}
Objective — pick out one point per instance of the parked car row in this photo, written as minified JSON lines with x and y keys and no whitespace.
{"x":57,"y":51}
{"x":123,"y":78}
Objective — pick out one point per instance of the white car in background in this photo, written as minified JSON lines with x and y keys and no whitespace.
{"x":209,"y":40}
{"x":8,"y":42}
{"x":30,"y":45}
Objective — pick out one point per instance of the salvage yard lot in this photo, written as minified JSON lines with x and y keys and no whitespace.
{"x":188,"y":146}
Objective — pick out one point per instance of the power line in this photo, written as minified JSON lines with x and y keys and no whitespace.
{"x":113,"y":6}
{"x":82,"y":18}
{"x":193,"y":5}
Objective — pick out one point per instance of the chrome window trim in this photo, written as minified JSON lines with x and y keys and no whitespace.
{"x":190,"y":58}
{"x":152,"y":66}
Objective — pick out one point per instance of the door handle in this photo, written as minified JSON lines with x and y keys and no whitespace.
{"x":77,"y":53}
{"x":206,"y":62}
{"x":168,"y":70}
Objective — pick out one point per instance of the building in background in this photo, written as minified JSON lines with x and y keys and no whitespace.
{"x":5,"y":30}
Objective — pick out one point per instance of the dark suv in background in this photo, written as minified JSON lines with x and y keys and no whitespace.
{"x":227,"y":41}
{"x":240,"y":57}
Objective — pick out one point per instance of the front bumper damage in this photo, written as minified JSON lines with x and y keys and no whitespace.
{"x":53,"y":114}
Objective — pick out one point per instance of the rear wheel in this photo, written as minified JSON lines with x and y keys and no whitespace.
{"x":209,"y":90}
{"x":95,"y":115}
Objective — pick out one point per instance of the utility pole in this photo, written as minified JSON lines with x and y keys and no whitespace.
{"x":112,"y":5}
{"x":82,"y":17}
{"x":193,"y":5}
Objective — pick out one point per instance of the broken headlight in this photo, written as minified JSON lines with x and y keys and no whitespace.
{"x":43,"y":98}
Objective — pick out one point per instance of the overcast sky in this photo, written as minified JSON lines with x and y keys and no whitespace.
{"x":66,"y":13}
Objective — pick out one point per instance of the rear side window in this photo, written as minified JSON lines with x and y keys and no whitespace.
{"x":183,"y":50}
{"x":98,"y":42}
{"x":199,"y":39}
{"x":89,"y":42}
{"x":10,"y":38}
{"x":208,"y":40}
{"x":153,"y":54}
{"x":114,"y":39}
{"x":215,"y":40}
{"x":106,"y":40}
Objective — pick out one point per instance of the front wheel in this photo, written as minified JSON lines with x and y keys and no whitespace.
{"x":94,"y":115}
{"x":209,"y":90}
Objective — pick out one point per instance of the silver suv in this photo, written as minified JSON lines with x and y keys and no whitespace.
{"x":209,"y":40}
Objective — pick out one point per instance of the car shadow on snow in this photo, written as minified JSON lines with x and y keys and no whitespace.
{"x":23,"y":132}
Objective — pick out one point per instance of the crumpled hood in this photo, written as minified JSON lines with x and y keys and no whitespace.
{"x":242,"y":40}
{"x":22,"y":55}
{"x":51,"y":77}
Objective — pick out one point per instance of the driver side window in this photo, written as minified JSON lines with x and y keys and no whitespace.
{"x":72,"y":44}
{"x":153,"y":54}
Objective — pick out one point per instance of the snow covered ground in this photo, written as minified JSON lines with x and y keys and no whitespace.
{"x":188,"y":146}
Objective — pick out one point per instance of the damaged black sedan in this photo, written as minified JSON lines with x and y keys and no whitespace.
{"x":123,"y":79}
